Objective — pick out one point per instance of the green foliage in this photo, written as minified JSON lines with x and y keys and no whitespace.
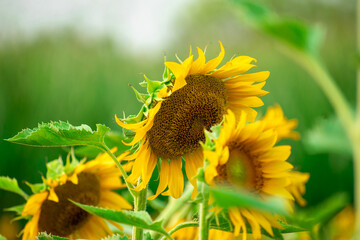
{"x":226,"y":198}
{"x":116,"y":237}
{"x":17,"y":209}
{"x":328,"y":136}
{"x":11,"y":185}
{"x":45,"y":236}
{"x":147,"y":236}
{"x":56,"y":134}
{"x":323,"y":212}
{"x":138,"y":219}
{"x":2,"y":237}
{"x":296,"y":33}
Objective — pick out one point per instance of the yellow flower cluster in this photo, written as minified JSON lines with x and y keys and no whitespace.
{"x":196,"y":96}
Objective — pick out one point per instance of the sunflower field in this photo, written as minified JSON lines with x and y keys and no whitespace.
{"x":243,"y":122}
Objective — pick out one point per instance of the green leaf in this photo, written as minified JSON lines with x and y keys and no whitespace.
{"x":2,"y":237}
{"x":323,"y":212}
{"x":56,"y":134}
{"x":116,"y":237}
{"x":296,"y":33}
{"x":328,"y":135}
{"x":45,"y":236}
{"x":138,"y":219}
{"x":17,"y":209}
{"x":11,"y":185}
{"x":226,"y":198}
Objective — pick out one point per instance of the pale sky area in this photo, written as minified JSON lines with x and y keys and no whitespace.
{"x":141,"y":25}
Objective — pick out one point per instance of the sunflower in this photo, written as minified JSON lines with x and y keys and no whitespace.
{"x":195,"y":97}
{"x":244,"y":156}
{"x":89,"y":183}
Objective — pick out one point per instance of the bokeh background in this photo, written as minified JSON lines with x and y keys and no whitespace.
{"x":73,"y":61}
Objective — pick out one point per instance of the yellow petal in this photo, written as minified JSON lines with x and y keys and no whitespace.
{"x":34,"y":203}
{"x":212,"y":64}
{"x":164,"y":178}
{"x":176,"y":178}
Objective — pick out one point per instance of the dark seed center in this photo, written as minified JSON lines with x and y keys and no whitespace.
{"x":179,"y":125}
{"x":64,"y":218}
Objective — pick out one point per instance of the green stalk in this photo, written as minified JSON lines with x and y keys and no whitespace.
{"x":139,"y":205}
{"x":204,"y":208}
{"x":123,"y":172}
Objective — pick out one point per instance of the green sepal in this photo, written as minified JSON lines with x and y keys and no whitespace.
{"x":142,"y":97}
{"x":209,"y":143}
{"x":138,"y":219}
{"x":226,"y":198}
{"x":166,"y":73}
{"x":45,"y":236}
{"x":151,"y":85}
{"x":56,"y":134}
{"x":17,"y":209}
{"x":55,"y":169}
{"x":36,"y":187}
{"x":11,"y":185}
{"x":72,"y":162}
{"x":116,"y":237}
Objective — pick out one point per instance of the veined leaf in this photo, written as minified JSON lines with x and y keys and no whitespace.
{"x":138,"y":219}
{"x":45,"y":236}
{"x":116,"y":237}
{"x":55,"y":134}
{"x":11,"y":185}
{"x":229,"y":198}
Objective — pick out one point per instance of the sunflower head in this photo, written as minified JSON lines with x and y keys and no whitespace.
{"x":49,"y":209}
{"x":193,"y":96}
{"x":245,"y":155}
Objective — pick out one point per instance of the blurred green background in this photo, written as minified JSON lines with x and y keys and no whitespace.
{"x":62,"y":74}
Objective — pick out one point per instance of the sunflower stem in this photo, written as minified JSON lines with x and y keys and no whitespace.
{"x":122,"y":170}
{"x":139,"y":205}
{"x":204,"y":208}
